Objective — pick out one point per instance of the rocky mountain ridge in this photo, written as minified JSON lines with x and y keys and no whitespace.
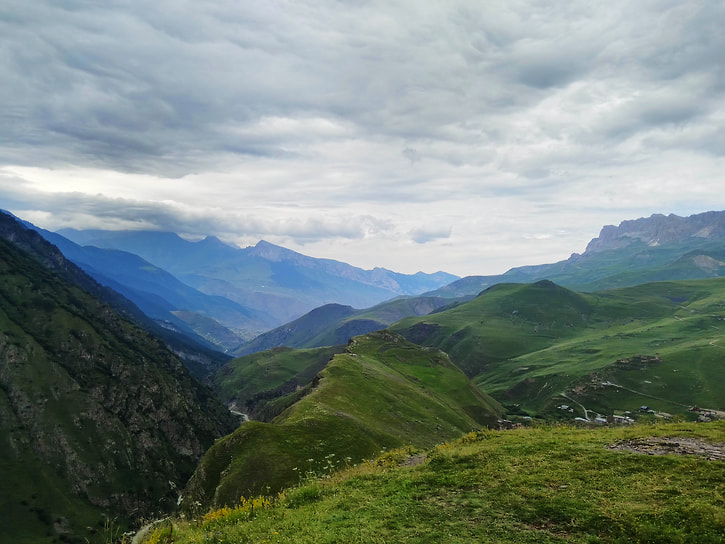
{"x":659,"y":229}
{"x":655,"y":248}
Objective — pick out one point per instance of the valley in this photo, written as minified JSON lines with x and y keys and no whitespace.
{"x":359,"y":272}
{"x":338,"y":391}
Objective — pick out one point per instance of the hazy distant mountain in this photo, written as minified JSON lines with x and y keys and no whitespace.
{"x":334,"y":324}
{"x":162,"y":296}
{"x":656,"y":248}
{"x":97,"y":417}
{"x":264,"y":277}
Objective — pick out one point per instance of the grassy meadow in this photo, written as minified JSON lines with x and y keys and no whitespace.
{"x":543,"y":484}
{"x":526,"y":345}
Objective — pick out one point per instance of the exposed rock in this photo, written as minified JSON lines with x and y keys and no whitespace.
{"x":673,"y":446}
{"x":659,"y":229}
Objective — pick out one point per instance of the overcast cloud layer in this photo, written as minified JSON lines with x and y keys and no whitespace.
{"x":465,"y":136}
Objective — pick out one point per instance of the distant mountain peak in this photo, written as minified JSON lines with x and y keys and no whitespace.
{"x":216,"y":242}
{"x":659,"y":229}
{"x":272,"y":252}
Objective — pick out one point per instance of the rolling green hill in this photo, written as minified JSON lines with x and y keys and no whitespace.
{"x":100,"y":423}
{"x":529,"y":345}
{"x":382,"y":392}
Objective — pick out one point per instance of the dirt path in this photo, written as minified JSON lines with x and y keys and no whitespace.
{"x":145,"y":529}
{"x":611,"y":384}
{"x":580,"y":405}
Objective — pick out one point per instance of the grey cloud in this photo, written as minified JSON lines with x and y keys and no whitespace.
{"x":154,"y":88}
{"x":98,"y":211}
{"x":428,"y":233}
{"x":412,"y":155}
{"x":341,"y":100}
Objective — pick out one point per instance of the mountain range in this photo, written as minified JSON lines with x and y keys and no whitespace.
{"x":245,"y":300}
{"x":653,"y":249}
{"x":248,"y":291}
{"x":100,"y":417}
{"x":161,"y":296}
{"x":656,"y":248}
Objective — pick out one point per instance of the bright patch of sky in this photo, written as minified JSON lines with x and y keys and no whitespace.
{"x":462,"y":136}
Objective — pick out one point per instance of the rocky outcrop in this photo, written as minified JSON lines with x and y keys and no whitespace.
{"x":659,"y":229}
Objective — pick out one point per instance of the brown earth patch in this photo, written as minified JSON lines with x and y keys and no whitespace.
{"x":672,"y":446}
{"x":413,"y":460}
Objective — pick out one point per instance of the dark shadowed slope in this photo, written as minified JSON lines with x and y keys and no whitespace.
{"x":98,"y":419}
{"x":334,"y":324}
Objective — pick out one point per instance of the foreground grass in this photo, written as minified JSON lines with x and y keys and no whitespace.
{"x":547,"y":484}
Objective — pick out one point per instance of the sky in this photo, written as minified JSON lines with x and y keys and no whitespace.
{"x":463,"y":136}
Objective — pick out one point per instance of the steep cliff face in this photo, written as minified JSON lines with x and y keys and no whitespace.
{"x":660,"y":229}
{"x":98,"y":419}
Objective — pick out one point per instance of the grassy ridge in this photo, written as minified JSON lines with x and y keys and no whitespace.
{"x":254,"y":382}
{"x":635,"y":264}
{"x":543,"y":485}
{"x":383,"y":392}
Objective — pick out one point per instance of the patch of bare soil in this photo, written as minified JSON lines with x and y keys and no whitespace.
{"x":414,"y":460}
{"x":673,"y":446}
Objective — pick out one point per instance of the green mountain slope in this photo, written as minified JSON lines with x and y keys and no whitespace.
{"x":99,"y":421}
{"x":197,"y":354}
{"x":260,"y":384}
{"x":505,"y":321}
{"x":529,"y":344}
{"x":383,"y":392}
{"x":530,"y":485}
{"x":334,"y":324}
